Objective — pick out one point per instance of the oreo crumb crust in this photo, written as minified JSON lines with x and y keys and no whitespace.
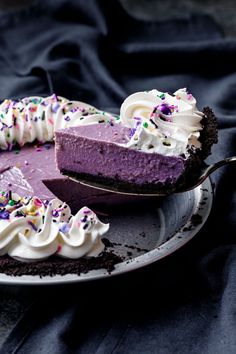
{"x":58,"y":266}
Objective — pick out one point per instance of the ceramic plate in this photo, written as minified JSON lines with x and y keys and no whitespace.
{"x":143,"y":234}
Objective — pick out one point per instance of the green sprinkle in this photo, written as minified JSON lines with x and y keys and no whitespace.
{"x":116,"y":116}
{"x":17,"y":152}
{"x":8,"y":135}
{"x":2,"y":115}
{"x":145,"y":125}
{"x":11,"y":202}
{"x":162,"y":95}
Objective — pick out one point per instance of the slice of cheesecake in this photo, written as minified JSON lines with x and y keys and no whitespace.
{"x":155,"y":146}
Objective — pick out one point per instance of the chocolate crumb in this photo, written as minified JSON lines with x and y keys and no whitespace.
{"x":107,"y":242}
{"x":196,"y":219}
{"x":56,"y":265}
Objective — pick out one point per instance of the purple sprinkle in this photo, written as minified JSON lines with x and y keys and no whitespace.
{"x":47,"y":146}
{"x":55,"y":107}
{"x":137,"y":118}
{"x":4,"y":215}
{"x":73,"y":110}
{"x":87,"y":211}
{"x":46,"y":202}
{"x":32,"y":225}
{"x":164,"y":108}
{"x":84,"y":219}
{"x":55,"y":213}
{"x":132,"y":132}
{"x":64,"y":228}
{"x":67,"y":118}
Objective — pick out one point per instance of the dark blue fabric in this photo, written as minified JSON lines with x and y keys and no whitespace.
{"x":94,"y":51}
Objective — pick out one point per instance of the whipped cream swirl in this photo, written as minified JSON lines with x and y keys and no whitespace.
{"x":37,"y":118}
{"x":162,"y":123}
{"x":32,"y":229}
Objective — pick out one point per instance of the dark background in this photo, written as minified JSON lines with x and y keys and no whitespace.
{"x":14,"y":301}
{"x":223,"y":11}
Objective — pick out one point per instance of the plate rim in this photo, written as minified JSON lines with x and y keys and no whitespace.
{"x":176,"y":241}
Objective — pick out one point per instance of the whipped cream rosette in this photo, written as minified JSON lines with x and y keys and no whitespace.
{"x":162,"y":123}
{"x":32,"y":229}
{"x":37,"y":118}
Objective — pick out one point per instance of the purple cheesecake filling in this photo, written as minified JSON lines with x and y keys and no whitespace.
{"x":94,"y":150}
{"x":32,"y":171}
{"x":22,"y":171}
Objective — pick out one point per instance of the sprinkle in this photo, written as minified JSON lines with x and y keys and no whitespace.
{"x":145,"y":124}
{"x":26,"y":162}
{"x":32,"y":225}
{"x":132,"y":132}
{"x":67,"y":118}
{"x":9,"y":184}
{"x":190,"y":96}
{"x":55,"y":107}
{"x":54,"y":97}
{"x":84,"y":219}
{"x":4,"y":215}
{"x":11,"y":202}
{"x":34,"y":100}
{"x":47,"y":146}
{"x":87,"y":211}
{"x":162,"y":96}
{"x":152,"y":121}
{"x":50,"y":120}
{"x":16,"y":152}
{"x":33,"y":109}
{"x":55,"y":213}
{"x":64,"y":228}
{"x":85,"y":226}
{"x":58,"y":248}
{"x":38,"y":202}
{"x":163,"y":108}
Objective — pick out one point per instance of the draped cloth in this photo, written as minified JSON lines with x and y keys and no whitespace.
{"x":95,"y":52}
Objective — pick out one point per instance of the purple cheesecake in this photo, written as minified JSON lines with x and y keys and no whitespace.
{"x":156,"y":144}
{"x":97,"y":153}
{"x":93,"y":151}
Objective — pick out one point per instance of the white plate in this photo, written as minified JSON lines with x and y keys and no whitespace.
{"x":149,"y":232}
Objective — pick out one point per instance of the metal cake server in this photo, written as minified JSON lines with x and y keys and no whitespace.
{"x":200,"y":176}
